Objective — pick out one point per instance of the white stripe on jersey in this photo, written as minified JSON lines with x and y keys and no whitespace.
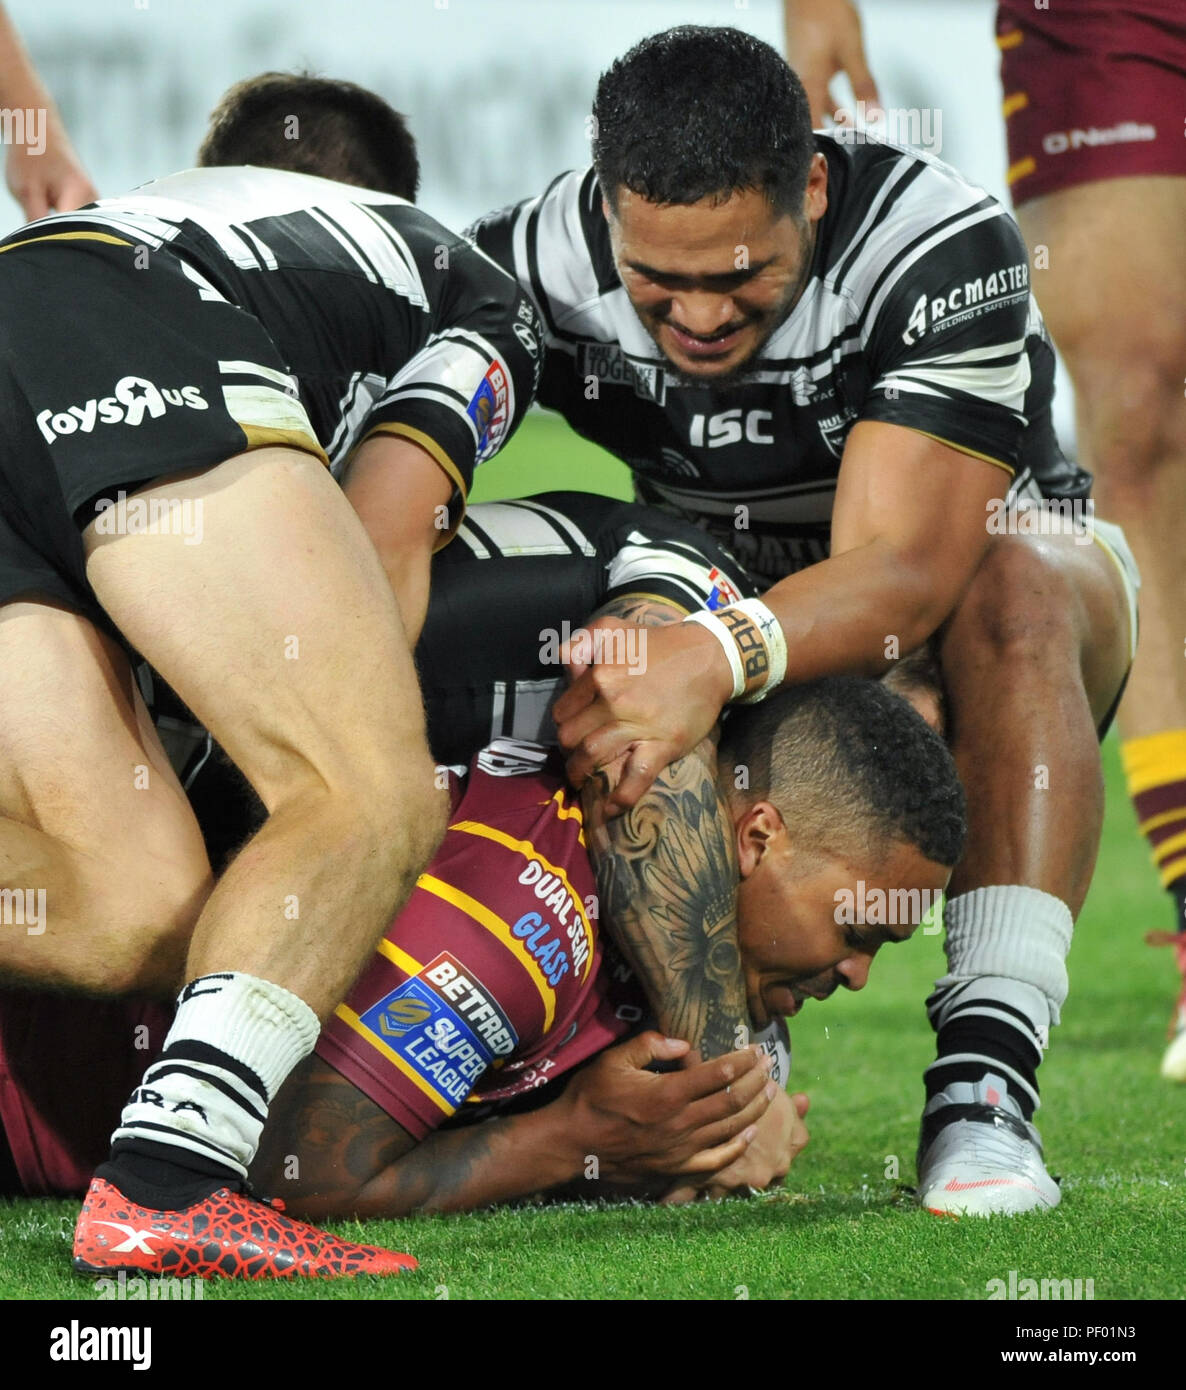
{"x":356,"y":403}
{"x":642,"y":559}
{"x":516,"y":530}
{"x":263,"y":252}
{"x":360,"y":234}
{"x":289,"y":383}
{"x":206,"y":290}
{"x":465,"y":535}
{"x":902,"y":266}
{"x":264,"y":407}
{"x":1006,"y":385}
{"x":564,"y":523}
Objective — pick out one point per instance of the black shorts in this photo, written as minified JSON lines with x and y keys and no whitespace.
{"x":117,"y":368}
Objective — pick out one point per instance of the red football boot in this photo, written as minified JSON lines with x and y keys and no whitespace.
{"x":228,"y":1235}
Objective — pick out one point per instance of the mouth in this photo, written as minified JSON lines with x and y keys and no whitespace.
{"x":706,"y":349}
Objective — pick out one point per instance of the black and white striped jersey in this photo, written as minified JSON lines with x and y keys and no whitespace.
{"x":385,"y":319}
{"x":917,"y":312}
{"x":518,"y":581}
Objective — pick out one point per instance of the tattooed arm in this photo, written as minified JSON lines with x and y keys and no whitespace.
{"x":328,"y":1150}
{"x":667,"y":884}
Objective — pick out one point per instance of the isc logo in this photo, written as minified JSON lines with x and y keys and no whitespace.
{"x":730,"y":427}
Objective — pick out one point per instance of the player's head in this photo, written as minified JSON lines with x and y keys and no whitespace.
{"x":703,"y":148}
{"x":848,"y":817}
{"x":314,"y":125}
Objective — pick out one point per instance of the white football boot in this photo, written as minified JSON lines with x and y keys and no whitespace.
{"x":1173,"y":1063}
{"x":978,"y":1156}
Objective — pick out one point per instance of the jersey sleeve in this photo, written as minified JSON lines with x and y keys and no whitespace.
{"x":649,"y":554}
{"x":947,"y":337}
{"x":491,"y":959}
{"x":465,"y":392}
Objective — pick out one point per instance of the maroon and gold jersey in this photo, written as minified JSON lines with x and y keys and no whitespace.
{"x":494,"y":978}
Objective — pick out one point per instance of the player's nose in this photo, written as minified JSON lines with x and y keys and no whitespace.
{"x":702,"y":314}
{"x":854,"y":971}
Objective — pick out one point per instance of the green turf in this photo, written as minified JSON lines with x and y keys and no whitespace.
{"x":840,"y":1229}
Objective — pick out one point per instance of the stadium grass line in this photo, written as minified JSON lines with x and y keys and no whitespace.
{"x":843,"y":1227}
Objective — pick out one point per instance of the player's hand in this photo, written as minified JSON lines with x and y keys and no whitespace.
{"x":641,"y":1124}
{"x":782,"y":1136}
{"x":655,"y":711}
{"x":53,"y":180}
{"x":824,"y":38}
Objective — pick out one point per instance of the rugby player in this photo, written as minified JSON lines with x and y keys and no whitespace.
{"x":1092,"y":97}
{"x":826,"y":353}
{"x":189,"y":372}
{"x":497,"y":981}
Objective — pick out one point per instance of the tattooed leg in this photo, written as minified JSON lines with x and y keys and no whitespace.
{"x":667,"y":885}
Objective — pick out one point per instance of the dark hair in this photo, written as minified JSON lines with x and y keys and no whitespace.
{"x":314,"y":125}
{"x":697,"y":112}
{"x":847,"y":761}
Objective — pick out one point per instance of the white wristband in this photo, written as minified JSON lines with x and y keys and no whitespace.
{"x":725,"y":638}
{"x":776,"y":646}
{"x":774,"y":1039}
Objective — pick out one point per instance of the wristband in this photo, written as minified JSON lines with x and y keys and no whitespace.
{"x":775,"y":1039}
{"x":713,"y":624}
{"x":776,"y":648}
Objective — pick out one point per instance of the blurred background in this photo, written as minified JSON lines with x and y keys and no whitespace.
{"x":497,"y":91}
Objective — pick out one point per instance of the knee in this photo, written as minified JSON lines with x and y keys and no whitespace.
{"x":142,"y":938}
{"x":1020,"y":606}
{"x":407,"y":809}
{"x":387,"y":808}
{"x":1131,"y":406}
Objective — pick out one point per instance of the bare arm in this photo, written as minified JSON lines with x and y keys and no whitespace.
{"x":43,"y":171}
{"x":908,"y":532}
{"x":667,"y":884}
{"x":330,"y":1151}
{"x":824,"y":38}
{"x":401,"y":495}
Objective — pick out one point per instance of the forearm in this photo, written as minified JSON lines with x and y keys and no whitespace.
{"x":20,"y":85}
{"x":840,"y":615}
{"x":459,"y":1170}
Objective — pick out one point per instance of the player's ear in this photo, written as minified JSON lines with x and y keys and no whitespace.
{"x":755,"y":831}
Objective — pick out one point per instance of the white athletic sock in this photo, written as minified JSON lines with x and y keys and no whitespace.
{"x":1006,"y":983}
{"x":233,"y":1042}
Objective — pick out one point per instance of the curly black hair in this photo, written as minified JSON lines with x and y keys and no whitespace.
{"x":314,"y":125}
{"x":848,"y":762}
{"x":699,"y":112}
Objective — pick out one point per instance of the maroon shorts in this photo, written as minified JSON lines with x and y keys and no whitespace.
{"x":1092,"y":90}
{"x":67,"y":1067}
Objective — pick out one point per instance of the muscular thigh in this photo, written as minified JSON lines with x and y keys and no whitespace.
{"x":85,"y":788}
{"x":279,"y":630}
{"x":1110,"y":269}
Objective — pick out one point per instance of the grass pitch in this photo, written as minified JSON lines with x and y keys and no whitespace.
{"x":844,"y":1226}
